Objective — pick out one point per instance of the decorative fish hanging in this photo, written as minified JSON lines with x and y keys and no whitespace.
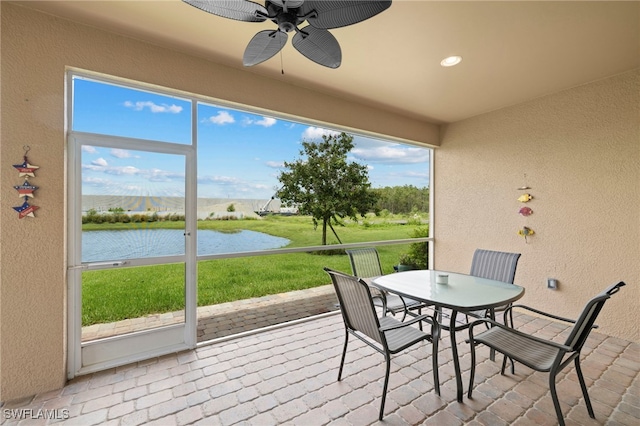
{"x":525,"y":211}
{"x":525,"y":232}
{"x":524,"y":198}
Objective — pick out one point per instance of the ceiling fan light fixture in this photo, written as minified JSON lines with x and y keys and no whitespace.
{"x":451,"y":61}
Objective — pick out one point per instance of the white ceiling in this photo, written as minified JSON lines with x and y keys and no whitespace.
{"x":513,"y":51}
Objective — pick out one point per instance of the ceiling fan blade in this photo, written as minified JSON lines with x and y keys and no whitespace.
{"x":240,"y":10}
{"x":319,"y":45}
{"x":263,"y":46}
{"x":340,"y":13}
{"x":288,"y":3}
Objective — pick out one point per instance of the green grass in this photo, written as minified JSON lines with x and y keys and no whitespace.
{"x":112,"y":295}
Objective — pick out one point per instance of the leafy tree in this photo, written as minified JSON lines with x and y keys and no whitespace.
{"x":325,"y":185}
{"x":404,"y":199}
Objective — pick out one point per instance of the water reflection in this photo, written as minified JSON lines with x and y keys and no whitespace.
{"x":100,"y":246}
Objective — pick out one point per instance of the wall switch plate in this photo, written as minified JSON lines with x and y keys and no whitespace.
{"x":552,"y":283}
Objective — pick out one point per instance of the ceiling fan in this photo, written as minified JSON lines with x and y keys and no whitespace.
{"x":314,"y":41}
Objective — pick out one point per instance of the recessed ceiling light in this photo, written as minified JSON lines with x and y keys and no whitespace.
{"x":451,"y":61}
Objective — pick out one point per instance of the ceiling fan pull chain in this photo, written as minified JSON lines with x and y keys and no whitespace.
{"x":281,"y":63}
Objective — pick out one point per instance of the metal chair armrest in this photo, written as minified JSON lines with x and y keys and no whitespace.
{"x":518,"y":333}
{"x":546,"y":314}
{"x":381,"y":297}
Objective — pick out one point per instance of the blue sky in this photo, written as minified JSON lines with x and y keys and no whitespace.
{"x":239,"y":154}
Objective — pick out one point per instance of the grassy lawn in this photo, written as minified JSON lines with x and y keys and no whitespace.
{"x":112,"y":295}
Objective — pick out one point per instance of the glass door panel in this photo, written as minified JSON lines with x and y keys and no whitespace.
{"x":132,"y":262}
{"x":133,"y":207}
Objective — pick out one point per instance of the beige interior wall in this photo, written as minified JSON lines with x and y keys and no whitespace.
{"x":36,"y":48}
{"x":580,"y":152}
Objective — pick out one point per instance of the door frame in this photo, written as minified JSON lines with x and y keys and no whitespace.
{"x":88,"y":357}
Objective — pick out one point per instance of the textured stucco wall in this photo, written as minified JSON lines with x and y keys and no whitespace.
{"x":580,"y":151}
{"x":32,"y":283}
{"x":35,"y":49}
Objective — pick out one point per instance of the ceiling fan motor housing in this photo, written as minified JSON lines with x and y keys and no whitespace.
{"x":288,"y":20}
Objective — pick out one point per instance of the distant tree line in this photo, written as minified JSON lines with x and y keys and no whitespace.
{"x":117,"y":215}
{"x":402,"y":199}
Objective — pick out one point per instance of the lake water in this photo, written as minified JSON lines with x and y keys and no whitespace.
{"x":100,"y":246}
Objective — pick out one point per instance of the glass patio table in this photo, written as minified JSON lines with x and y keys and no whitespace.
{"x":461,"y":293}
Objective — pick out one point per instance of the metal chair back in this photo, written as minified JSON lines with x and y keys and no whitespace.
{"x":356,"y":305}
{"x":494,"y":265}
{"x":365,"y":262}
{"x":587,"y":318}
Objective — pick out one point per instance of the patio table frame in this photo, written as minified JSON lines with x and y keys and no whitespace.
{"x":461,"y":293}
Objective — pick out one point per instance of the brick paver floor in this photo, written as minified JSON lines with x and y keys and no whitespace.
{"x":232,"y":318}
{"x":288,"y":376}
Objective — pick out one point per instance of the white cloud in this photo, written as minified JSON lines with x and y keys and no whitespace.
{"x":424,"y":175}
{"x":126,"y":170}
{"x":275,"y":164}
{"x":120,"y":153}
{"x":95,"y":181}
{"x":222,"y":186}
{"x":226,"y":180}
{"x":266,"y":122}
{"x":312,"y":133}
{"x":223,"y":117}
{"x":100,"y":162}
{"x":396,"y":154}
{"x":89,"y":149}
{"x":153,"y":107}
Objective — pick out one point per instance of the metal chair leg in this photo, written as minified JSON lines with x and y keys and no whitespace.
{"x":344,"y":353}
{"x":435,"y":337}
{"x":385,"y":386}
{"x":583,"y":385}
{"x":504,"y":365}
{"x":554,"y":397}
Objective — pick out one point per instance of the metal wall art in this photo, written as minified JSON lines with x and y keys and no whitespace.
{"x":526,"y":211}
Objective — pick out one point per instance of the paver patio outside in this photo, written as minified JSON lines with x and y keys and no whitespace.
{"x":288,"y":375}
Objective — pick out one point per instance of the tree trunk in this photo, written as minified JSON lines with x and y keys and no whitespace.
{"x":334,"y":233}
{"x":324,"y":232}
